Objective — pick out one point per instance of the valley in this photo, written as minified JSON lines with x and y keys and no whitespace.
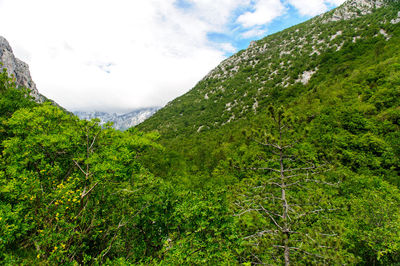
{"x":287,"y":152}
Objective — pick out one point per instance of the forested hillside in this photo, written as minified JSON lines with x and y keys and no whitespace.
{"x":327,"y":62}
{"x":286,"y":62}
{"x":287,"y":153}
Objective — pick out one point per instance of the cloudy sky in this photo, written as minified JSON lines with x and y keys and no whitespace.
{"x":117,"y":55}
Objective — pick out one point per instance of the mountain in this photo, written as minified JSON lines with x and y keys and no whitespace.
{"x":286,"y":62}
{"x":342,"y":65}
{"x":288,"y":153}
{"x":120,"y":122}
{"x":18,"y":69}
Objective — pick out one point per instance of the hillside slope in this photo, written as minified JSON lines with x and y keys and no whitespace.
{"x":245,"y":84}
{"x":341,"y":70}
{"x":296,"y":168}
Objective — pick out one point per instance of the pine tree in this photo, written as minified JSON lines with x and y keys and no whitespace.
{"x":289,"y":199}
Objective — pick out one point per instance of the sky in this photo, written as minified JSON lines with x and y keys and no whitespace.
{"x":119,"y":55}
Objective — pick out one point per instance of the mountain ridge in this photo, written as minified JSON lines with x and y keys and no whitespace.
{"x":120,"y":121}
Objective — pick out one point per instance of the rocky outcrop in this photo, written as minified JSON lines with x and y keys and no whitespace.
{"x":18,"y":69}
{"x":396,"y":20}
{"x":352,"y":9}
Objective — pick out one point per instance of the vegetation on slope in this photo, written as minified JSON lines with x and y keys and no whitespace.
{"x":349,"y":109}
{"x":246,"y":83}
{"x":323,"y":189}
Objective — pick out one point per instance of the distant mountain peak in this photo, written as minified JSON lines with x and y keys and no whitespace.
{"x":121,"y":122}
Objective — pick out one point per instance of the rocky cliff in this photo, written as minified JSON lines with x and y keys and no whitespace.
{"x":18,"y":69}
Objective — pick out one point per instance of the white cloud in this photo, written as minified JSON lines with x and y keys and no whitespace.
{"x":122,"y":54}
{"x":256,"y":32}
{"x":313,"y":7}
{"x":227,"y":47}
{"x":309,"y":7}
{"x":104,"y":55}
{"x":336,"y":2}
{"x":264,"y":12}
{"x":217,"y":12}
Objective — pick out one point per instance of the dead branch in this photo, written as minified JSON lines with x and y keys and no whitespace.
{"x":77,"y":164}
{"x":314,"y":211}
{"x":307,"y":253}
{"x":300,"y":169}
{"x":263,"y":168}
{"x":272,"y":218}
{"x":94,"y":139}
{"x":269,"y":145}
{"x":246,"y":211}
{"x":261,"y":233}
{"x":84,"y":193}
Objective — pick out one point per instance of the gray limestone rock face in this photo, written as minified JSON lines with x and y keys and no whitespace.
{"x":18,"y":69}
{"x":396,"y":20}
{"x":355,"y":8}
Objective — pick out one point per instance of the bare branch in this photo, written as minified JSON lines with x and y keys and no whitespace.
{"x":297,"y":183}
{"x":272,"y":218}
{"x":77,"y":164}
{"x":246,"y":211}
{"x":293,"y":184}
{"x":120,"y":224}
{"x":296,"y":175}
{"x":275,"y":184}
{"x":314,"y":211}
{"x":263,"y":168}
{"x":48,"y":206}
{"x":112,"y":240}
{"x":84,"y":193}
{"x":94,"y":139}
{"x":321,"y":182}
{"x":261,"y":233}
{"x":300,"y":169}
{"x":331,"y":235}
{"x":257,"y":258}
{"x":289,"y":146}
{"x":269,"y":145}
{"x":272,"y":197}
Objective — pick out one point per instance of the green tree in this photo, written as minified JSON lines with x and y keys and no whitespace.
{"x":72,"y":190}
{"x":289,"y":204}
{"x":204,"y":231}
{"x":11,"y":99}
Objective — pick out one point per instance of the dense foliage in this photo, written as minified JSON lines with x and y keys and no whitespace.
{"x":309,"y":175}
{"x":75,"y":192}
{"x":348,"y":115}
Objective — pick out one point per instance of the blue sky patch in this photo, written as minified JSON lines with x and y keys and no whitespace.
{"x":183,"y":4}
{"x":234,"y":33}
